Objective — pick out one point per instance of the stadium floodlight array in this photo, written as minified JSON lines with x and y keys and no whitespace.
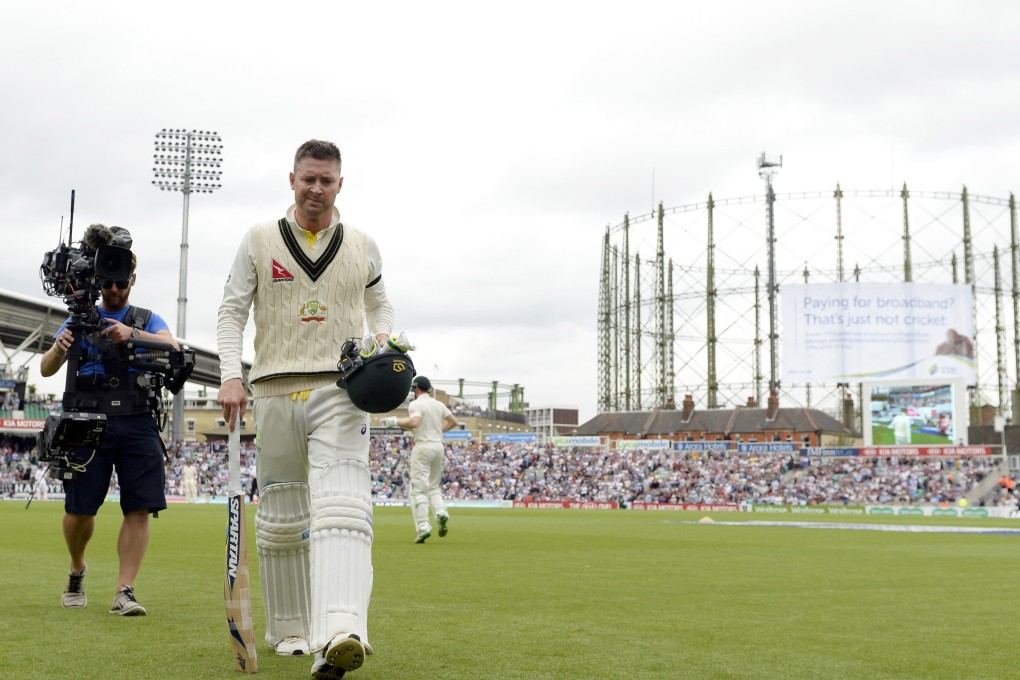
{"x":187,"y":161}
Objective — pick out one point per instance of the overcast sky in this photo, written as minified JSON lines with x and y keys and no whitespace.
{"x":486,"y":146}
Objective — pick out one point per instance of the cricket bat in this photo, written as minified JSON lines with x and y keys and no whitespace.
{"x":236,"y":585}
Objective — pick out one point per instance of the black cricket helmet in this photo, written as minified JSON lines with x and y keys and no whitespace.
{"x":377,"y":384}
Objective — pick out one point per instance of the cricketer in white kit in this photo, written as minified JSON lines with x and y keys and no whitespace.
{"x":429,"y":418}
{"x":313,"y":282}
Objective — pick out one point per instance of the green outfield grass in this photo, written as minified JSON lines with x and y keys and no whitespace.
{"x":548,"y":594}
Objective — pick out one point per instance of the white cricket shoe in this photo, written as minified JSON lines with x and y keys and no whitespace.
{"x":292,"y":646}
{"x":344,"y":653}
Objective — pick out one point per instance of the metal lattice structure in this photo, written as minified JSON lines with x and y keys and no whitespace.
{"x":495,"y":395}
{"x":683,"y":308}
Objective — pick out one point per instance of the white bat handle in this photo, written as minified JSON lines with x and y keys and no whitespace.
{"x":234,"y":462}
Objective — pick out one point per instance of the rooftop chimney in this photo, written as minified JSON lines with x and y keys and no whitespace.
{"x":848,"y":412}
{"x":688,"y":409}
{"x":773,"y":406}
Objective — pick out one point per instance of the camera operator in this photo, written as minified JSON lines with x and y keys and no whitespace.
{"x":131,"y":444}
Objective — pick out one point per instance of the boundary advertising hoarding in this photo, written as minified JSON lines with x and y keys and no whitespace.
{"x":644,"y":444}
{"x":25,"y":427}
{"x":585,"y":442}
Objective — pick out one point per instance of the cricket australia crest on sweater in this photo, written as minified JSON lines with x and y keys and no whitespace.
{"x":313,"y":310}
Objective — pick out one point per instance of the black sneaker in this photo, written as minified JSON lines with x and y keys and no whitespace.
{"x":125,"y":603}
{"x":74,"y":594}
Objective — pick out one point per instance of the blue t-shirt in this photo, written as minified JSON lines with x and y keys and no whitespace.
{"x":92,"y":355}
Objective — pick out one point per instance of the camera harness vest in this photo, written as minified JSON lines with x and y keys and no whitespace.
{"x":117,"y":394}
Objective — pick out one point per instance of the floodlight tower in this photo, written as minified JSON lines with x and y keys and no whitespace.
{"x":768,"y":166}
{"x":186,"y":161}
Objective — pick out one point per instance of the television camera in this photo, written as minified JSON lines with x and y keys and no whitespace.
{"x":76,"y":273}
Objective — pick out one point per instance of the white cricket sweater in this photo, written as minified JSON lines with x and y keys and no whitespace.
{"x":307,"y":300}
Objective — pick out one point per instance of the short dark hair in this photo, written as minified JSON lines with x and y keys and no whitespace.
{"x":319,"y":150}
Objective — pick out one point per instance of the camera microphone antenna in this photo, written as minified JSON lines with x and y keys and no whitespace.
{"x":70,"y":223}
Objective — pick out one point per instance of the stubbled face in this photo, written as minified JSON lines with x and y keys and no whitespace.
{"x":115,"y":298}
{"x":315,"y":183}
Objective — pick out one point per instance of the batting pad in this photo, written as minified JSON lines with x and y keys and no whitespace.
{"x":420,"y":511}
{"x":341,"y":552}
{"x":281,"y":536}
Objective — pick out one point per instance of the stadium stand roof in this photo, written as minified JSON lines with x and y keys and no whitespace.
{"x":741,"y":420}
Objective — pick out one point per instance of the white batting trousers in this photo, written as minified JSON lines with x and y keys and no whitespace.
{"x":426,"y":478}
{"x":319,"y":437}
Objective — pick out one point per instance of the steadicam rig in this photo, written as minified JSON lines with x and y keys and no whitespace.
{"x":69,"y":439}
{"x":134,"y":375}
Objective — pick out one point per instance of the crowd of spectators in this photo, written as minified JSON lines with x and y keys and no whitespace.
{"x":10,"y":402}
{"x":17,"y":463}
{"x":515,"y":472}
{"x":210,"y":461}
{"x":466,"y":409}
{"x":512,"y":471}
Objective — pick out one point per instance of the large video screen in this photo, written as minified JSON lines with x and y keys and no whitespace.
{"x":920,"y":415}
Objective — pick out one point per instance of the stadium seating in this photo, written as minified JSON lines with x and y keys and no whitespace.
{"x":518,"y":472}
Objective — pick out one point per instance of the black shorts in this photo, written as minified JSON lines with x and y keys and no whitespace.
{"x":132,"y":446}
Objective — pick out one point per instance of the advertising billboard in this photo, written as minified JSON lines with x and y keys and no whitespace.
{"x":877,"y":332}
